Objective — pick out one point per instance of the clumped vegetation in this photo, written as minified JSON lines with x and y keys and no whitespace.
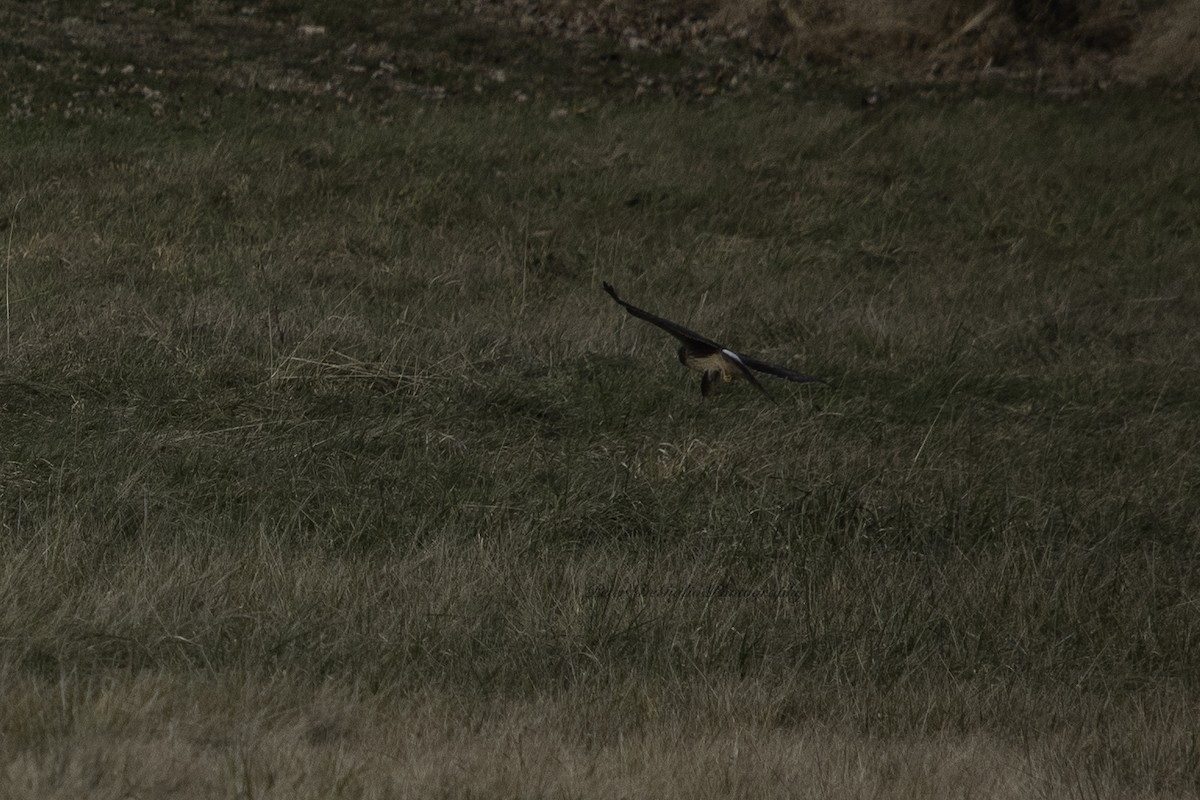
{"x":327,"y":468}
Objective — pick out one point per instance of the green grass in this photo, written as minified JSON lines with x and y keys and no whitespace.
{"x":327,"y":468}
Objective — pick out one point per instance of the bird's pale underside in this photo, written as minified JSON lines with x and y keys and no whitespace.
{"x":717,"y":364}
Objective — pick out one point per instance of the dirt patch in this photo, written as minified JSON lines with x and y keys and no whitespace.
{"x":1066,"y":41}
{"x":1166,"y":47}
{"x":1055,"y":42}
{"x":80,"y":58}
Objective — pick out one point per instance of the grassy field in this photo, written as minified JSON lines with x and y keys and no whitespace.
{"x":328,"y":470}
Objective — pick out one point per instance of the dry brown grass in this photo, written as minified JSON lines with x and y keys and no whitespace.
{"x":1167,"y":46}
{"x":1055,"y":43}
{"x":327,"y":468}
{"x":158,"y":736}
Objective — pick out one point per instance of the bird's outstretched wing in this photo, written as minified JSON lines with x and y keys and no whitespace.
{"x":688,"y":337}
{"x":741,"y":363}
{"x":780,"y":372}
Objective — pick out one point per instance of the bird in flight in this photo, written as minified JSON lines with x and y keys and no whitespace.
{"x":717,"y":364}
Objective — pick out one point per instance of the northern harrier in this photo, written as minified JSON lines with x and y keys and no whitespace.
{"x":702,"y":354}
